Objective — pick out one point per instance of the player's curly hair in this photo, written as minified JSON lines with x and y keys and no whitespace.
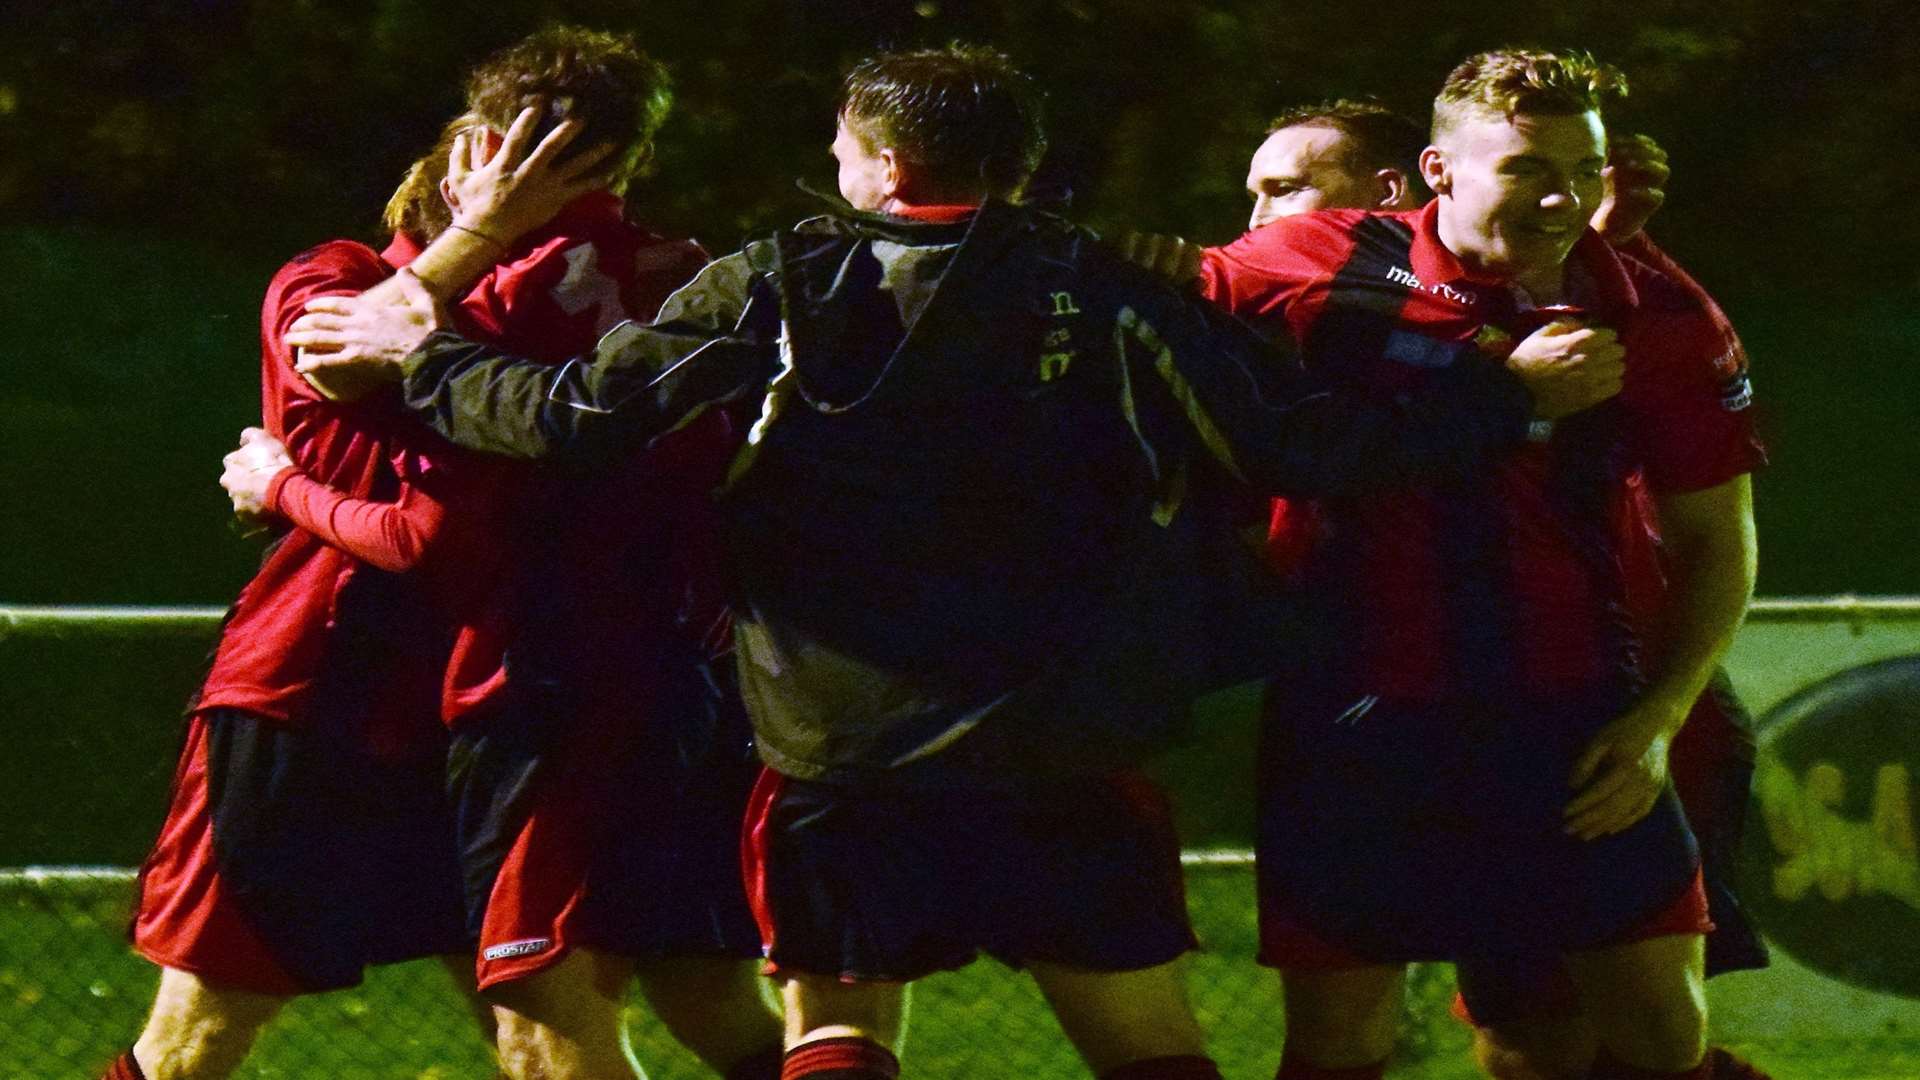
{"x":601,"y":78}
{"x":965,"y":114}
{"x":1380,"y":137}
{"x":1512,"y":82}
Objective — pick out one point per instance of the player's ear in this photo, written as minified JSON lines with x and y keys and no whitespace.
{"x":896,"y":173}
{"x":1436,"y":171}
{"x":1395,"y":191}
{"x":448,"y":196}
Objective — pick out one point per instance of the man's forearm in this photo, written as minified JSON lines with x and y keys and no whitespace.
{"x":1712,"y":560}
{"x":638,"y":384}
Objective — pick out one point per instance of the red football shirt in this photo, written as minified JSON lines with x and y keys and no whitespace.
{"x":603,"y":566}
{"x":1511,"y":579}
{"x":317,"y":631}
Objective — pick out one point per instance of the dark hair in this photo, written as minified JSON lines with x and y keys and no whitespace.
{"x":1535,"y":82}
{"x":604,"y":79}
{"x":965,"y":114}
{"x":1380,"y":138}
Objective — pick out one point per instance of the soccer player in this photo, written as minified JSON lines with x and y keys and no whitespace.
{"x":1356,"y":155}
{"x":1341,"y":155}
{"x":315,"y":727}
{"x":1487,"y":769}
{"x":599,"y":775}
{"x":972,"y":592}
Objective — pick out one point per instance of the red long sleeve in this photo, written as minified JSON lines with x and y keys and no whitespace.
{"x":393,"y":536}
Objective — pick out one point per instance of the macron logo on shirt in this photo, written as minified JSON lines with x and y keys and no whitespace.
{"x":1400,"y":275}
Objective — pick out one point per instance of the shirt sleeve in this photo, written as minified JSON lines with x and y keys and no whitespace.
{"x":714,"y":341}
{"x":1688,"y":393}
{"x":393,"y":536}
{"x":1257,"y":411}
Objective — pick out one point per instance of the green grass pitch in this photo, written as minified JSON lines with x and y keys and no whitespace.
{"x":72,"y":995}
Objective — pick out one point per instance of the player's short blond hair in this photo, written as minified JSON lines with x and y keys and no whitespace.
{"x":1505,"y":83}
{"x":416,"y":208}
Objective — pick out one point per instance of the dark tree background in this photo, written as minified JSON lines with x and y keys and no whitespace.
{"x":158,"y":160}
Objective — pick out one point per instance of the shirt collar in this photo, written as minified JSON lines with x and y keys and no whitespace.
{"x":1434,"y":264}
{"x":401,"y":250}
{"x":935,"y":214}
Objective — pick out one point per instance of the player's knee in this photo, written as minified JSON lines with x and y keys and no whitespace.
{"x":1503,"y":1060}
{"x":200,"y":1029}
{"x":1669,"y":1039}
{"x":1548,"y":1050}
{"x":713,"y":1007}
{"x":532,"y":1050}
{"x":1338,"y":1020}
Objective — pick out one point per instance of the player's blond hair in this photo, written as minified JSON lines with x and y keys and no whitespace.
{"x":416,"y":208}
{"x":1505,"y":83}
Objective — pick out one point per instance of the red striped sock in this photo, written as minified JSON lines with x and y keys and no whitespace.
{"x":124,"y":1068}
{"x":840,"y":1059}
{"x":1294,"y":1068}
{"x":1608,"y":1067}
{"x":1182,"y":1067}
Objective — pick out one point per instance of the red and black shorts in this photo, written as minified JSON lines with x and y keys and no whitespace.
{"x":1395,"y":831}
{"x":1712,"y":764}
{"x":618,"y":833}
{"x":293,"y":858}
{"x":890,"y":884}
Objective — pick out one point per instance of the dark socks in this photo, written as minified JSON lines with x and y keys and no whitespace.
{"x":1608,"y":1067}
{"x":1183,"y":1067}
{"x":1293,"y":1068}
{"x":764,"y":1065}
{"x":840,"y":1059}
{"x":1728,"y":1066}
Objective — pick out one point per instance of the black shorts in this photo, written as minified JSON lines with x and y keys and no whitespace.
{"x":619,"y":833}
{"x":1399,"y":831}
{"x":888,"y":885}
{"x":1713,"y":774}
{"x":293,"y":858}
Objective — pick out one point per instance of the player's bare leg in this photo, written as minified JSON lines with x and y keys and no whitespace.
{"x":460,"y":969}
{"x":853,"y":1028}
{"x":1121,"y":1018}
{"x":1647,"y":1000}
{"x":1555,"y":1048}
{"x":564,"y":1023}
{"x":715,"y":1007}
{"x":1344,"y":1018}
{"x":199,"y":1030}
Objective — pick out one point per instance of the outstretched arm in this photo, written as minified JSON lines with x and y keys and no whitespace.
{"x":1270,"y":423}
{"x":714,"y":340}
{"x":497,"y":199}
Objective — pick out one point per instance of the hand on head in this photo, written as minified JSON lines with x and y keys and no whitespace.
{"x":504,"y":194}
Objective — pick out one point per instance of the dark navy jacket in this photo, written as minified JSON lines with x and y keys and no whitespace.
{"x":981,"y":527}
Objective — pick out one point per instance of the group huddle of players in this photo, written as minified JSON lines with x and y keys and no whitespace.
{"x":809,"y":612}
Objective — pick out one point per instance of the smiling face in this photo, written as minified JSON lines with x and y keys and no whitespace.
{"x":1515,"y":192}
